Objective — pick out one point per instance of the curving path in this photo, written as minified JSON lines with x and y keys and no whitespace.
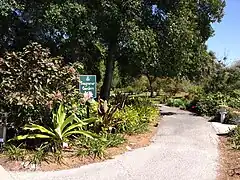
{"x":184,"y":148}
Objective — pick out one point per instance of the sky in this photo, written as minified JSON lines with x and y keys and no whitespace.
{"x":226,"y":41}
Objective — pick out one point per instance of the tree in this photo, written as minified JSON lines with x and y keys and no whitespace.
{"x":91,"y":31}
{"x":141,"y":49}
{"x":170,"y":42}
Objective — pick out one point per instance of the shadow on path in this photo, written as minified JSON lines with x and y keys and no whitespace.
{"x":167,"y":113}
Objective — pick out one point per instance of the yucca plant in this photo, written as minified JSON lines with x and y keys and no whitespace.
{"x":63,"y":128}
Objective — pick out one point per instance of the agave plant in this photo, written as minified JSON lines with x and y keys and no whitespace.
{"x":63,"y":128}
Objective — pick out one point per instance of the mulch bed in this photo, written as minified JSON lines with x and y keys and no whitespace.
{"x":229,"y":161}
{"x":70,"y":161}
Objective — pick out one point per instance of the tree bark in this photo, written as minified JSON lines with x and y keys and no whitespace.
{"x":106,"y":87}
{"x":151,"y":80}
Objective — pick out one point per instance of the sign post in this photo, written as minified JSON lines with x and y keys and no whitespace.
{"x":88,"y":84}
{"x":3,"y":127}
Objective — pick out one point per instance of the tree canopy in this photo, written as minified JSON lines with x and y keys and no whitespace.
{"x":156,"y":38}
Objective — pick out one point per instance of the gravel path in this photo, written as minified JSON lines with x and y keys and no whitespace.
{"x":184,"y":148}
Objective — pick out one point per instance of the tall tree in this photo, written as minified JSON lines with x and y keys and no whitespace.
{"x":170,"y":34}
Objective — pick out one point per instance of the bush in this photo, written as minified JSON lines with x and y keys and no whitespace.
{"x":209,"y":104}
{"x":32,"y":82}
{"x":135,"y":118}
{"x":232,"y":117}
{"x":140,"y":84}
{"x":182,"y":103}
{"x":235,"y":138}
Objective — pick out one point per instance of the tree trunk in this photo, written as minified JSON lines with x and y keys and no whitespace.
{"x":106,"y":87}
{"x":151,"y":89}
{"x":151,"y":80}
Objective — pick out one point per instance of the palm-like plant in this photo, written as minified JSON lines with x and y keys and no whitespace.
{"x":63,"y":128}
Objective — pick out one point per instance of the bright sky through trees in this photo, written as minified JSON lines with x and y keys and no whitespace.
{"x":226,"y":41}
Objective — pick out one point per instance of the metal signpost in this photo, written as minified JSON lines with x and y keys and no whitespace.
{"x":3,"y":127}
{"x":88,"y":84}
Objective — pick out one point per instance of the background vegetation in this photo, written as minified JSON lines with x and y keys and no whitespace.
{"x":137,"y":48}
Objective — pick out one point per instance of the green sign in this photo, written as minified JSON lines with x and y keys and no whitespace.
{"x":88,"y":85}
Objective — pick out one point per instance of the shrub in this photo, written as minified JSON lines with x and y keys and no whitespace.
{"x":135,"y":118}
{"x":32,"y":82}
{"x":140,"y":84}
{"x":139,"y":101}
{"x":235,"y":138}
{"x":232,"y":117}
{"x":209,"y":104}
{"x":182,"y":103}
{"x":129,"y":89}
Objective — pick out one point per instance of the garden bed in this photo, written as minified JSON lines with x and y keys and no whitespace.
{"x":70,"y":161}
{"x":229,"y":161}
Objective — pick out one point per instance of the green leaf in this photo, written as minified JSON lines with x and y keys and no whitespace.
{"x":61,"y":115}
{"x":90,"y":120}
{"x":79,"y":125}
{"x":35,"y":127}
{"x":30,"y":136}
{"x":68,"y":121}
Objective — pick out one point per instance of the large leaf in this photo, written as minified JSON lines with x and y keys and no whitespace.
{"x":61,"y":115}
{"x":90,"y":120}
{"x":58,"y":132}
{"x":30,"y":136}
{"x":35,"y":127}
{"x":68,"y":121}
{"x":78,"y":125}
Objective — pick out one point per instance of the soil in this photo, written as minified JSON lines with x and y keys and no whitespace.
{"x":70,"y":161}
{"x":229,"y":161}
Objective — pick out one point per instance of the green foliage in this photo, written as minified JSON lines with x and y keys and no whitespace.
{"x":169,"y":86}
{"x":57,"y":156}
{"x":169,"y":41}
{"x":135,"y":118}
{"x":113,"y":140}
{"x":111,"y":39}
{"x":232,"y":116}
{"x":39,"y":155}
{"x":224,"y":80}
{"x":63,"y":127}
{"x":140,"y":84}
{"x":209,"y":104}
{"x":14,"y":153}
{"x":194,"y":91}
{"x":235,"y":138}
{"x":129,"y":89}
{"x":106,"y":113}
{"x":96,"y":148}
{"x":32,"y":82}
{"x":177,"y":103}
